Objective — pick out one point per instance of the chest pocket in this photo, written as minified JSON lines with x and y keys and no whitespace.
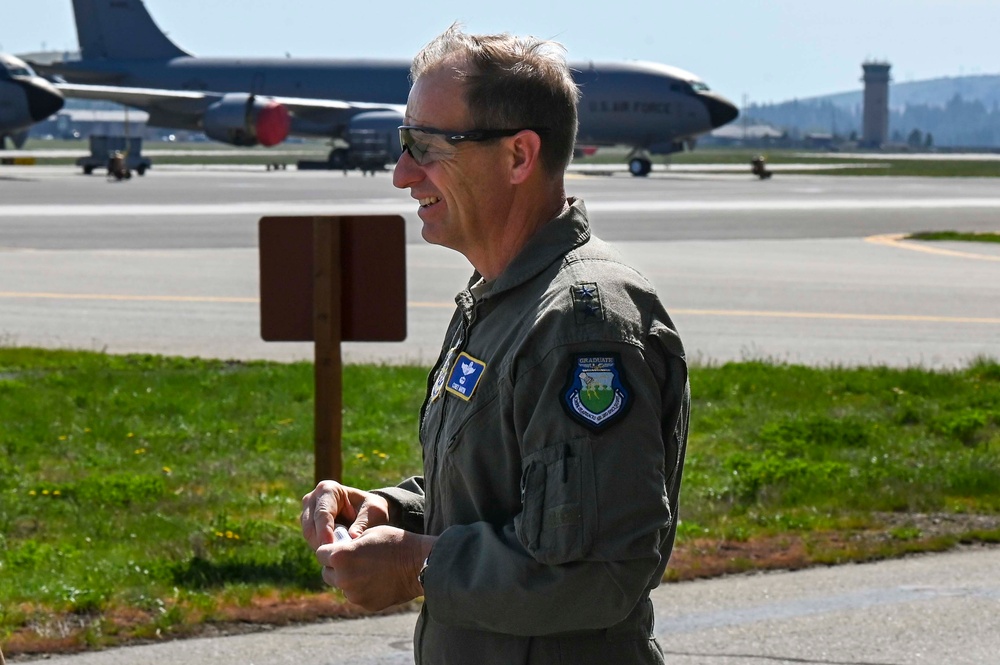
{"x":558,"y":517}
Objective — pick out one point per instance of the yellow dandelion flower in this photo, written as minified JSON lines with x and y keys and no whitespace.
{"x":140,"y":451}
{"x":383,"y":456}
{"x":45,"y":492}
{"x":236,"y":536}
{"x":62,"y":437}
{"x":32,"y":493}
{"x":167,"y":470}
{"x":131,"y":434}
{"x":56,"y":493}
{"x":229,"y":534}
{"x":219,"y":534}
{"x":360,"y":456}
{"x":86,"y":429}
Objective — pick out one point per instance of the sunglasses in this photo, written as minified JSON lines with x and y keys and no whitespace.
{"x":428,"y":144}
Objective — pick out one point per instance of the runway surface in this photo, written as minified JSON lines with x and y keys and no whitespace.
{"x":796,"y":269}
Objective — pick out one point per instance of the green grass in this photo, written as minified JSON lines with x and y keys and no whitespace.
{"x":875,"y":163}
{"x":955,"y":235}
{"x":201,"y":152}
{"x":142,"y":494}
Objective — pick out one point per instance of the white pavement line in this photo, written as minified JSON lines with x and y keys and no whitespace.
{"x":336,"y":207}
{"x":125,"y":297}
{"x":897,"y":240}
{"x":832,"y":315}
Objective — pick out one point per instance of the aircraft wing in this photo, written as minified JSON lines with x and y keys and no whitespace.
{"x":308,"y":116}
{"x":144,"y":98}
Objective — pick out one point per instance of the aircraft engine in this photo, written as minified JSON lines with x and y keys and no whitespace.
{"x":373,"y":140}
{"x":376,"y":130}
{"x":246,"y":120}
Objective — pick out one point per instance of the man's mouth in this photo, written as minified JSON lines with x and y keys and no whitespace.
{"x":429,"y":201}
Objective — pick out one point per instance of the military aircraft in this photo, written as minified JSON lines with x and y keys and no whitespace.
{"x":25,"y":98}
{"x":653,"y":108}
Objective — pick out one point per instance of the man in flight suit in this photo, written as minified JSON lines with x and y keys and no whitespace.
{"x":555,"y":422}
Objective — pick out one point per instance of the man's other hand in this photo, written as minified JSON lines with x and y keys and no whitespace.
{"x":377,"y":569}
{"x":331,"y":503}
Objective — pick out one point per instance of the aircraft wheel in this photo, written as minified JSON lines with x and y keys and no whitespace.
{"x":88,"y":170}
{"x":640,"y":166}
{"x":141,"y":169}
{"x":338,"y":159}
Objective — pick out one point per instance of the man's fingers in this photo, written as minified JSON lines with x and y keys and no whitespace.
{"x":319,"y":513}
{"x":361,"y":522}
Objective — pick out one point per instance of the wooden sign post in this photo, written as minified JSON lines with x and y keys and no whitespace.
{"x":330,"y":280}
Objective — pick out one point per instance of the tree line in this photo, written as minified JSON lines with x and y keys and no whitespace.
{"x":958,"y":123}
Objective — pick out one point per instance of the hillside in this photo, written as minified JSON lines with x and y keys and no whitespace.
{"x":959,"y":111}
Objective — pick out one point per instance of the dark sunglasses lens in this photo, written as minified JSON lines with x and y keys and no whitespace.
{"x":411,"y":145}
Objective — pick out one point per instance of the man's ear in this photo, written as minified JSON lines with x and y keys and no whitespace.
{"x":526,"y":150}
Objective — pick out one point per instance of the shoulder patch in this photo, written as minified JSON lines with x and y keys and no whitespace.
{"x":465,"y":376}
{"x":596,"y":394}
{"x":587,"y":302}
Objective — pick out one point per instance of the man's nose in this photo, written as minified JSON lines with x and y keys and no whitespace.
{"x":407,"y":171}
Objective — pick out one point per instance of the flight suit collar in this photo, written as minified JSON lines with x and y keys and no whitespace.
{"x":569,"y":230}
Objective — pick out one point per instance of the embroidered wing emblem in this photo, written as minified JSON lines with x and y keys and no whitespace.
{"x":465,"y":377}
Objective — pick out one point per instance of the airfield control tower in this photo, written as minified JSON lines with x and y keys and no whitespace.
{"x":875,"y":125}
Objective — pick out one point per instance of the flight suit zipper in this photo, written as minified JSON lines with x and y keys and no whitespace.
{"x":436,"y":448}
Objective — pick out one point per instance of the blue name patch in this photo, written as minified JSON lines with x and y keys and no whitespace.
{"x":465,"y":376}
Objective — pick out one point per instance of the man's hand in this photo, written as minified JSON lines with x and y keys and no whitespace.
{"x":377,"y":569}
{"x":332,"y":502}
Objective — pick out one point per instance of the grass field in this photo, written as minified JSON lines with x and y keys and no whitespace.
{"x":874,"y":163}
{"x":954,"y":235}
{"x":144,"y":496}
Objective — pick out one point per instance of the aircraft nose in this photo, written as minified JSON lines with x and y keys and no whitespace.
{"x":43,"y":98}
{"x":720,"y":109}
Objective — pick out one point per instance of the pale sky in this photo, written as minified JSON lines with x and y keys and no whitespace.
{"x":768,"y":50}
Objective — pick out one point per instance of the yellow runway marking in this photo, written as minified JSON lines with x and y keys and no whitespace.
{"x":446,"y":305}
{"x":896,"y":240}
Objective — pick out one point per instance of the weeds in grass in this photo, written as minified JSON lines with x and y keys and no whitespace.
{"x":140,"y":495}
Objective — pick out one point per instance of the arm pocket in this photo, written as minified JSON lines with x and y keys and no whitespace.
{"x":558,"y":516}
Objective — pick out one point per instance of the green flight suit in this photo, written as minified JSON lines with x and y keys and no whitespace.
{"x":553,"y":436}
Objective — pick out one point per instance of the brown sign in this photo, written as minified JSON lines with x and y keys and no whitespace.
{"x":372,"y":261}
{"x":328,"y":280}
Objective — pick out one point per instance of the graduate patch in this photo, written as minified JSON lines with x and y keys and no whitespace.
{"x":596,"y":395}
{"x":465,"y":376}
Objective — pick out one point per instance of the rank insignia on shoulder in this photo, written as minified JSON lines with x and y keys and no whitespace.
{"x":596,"y":394}
{"x":465,"y":376}
{"x":587,"y":302}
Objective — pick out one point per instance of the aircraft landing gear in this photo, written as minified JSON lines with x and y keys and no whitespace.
{"x":639,"y":163}
{"x":339,"y":160}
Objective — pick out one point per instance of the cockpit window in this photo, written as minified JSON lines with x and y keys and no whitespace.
{"x":689,"y":87}
{"x":15,"y":67}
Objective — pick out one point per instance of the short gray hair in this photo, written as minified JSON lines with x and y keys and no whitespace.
{"x":511,"y":82}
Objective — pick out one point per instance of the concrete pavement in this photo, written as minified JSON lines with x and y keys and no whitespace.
{"x":923,"y":610}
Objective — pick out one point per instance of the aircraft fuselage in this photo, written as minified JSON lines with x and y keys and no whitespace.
{"x":633,"y":103}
